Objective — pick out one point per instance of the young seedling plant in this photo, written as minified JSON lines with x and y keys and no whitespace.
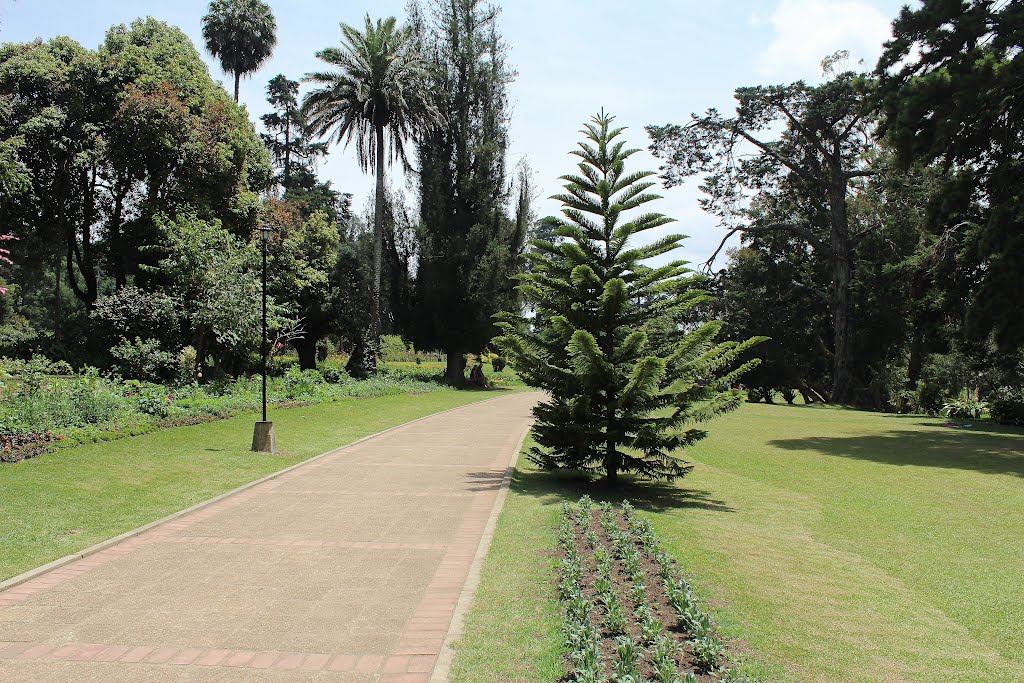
{"x":628,"y":617}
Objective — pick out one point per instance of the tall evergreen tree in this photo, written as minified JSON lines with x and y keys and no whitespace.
{"x":286,"y":135}
{"x":950,"y":94}
{"x":241,"y":34}
{"x":611,"y":344}
{"x":469,"y":246}
{"x":378,"y":94}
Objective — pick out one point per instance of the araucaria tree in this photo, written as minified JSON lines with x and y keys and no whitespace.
{"x":377,"y":94}
{"x":627,"y":373}
{"x":241,"y":34}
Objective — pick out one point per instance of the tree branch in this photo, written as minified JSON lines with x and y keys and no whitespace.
{"x":807,"y":135}
{"x":794,"y":228}
{"x":794,"y":167}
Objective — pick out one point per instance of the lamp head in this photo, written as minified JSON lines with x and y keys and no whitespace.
{"x":265,"y":232}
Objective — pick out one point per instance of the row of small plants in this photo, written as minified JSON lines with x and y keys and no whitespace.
{"x":46,"y":405}
{"x":628,"y":617}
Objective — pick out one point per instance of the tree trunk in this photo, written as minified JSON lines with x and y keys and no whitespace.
{"x":378,"y":238}
{"x":306,"y":348}
{"x":808,"y":394}
{"x":57,"y":303}
{"x":116,"y":241}
{"x":842,"y":301}
{"x":612,"y":464}
{"x":455,"y":367}
{"x":287,"y":150}
{"x":200,"y":355}
{"x":916,"y":357}
{"x":238,"y":77}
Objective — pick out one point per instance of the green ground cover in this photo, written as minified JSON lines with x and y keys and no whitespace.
{"x":835,"y":545}
{"x":70,"y":499}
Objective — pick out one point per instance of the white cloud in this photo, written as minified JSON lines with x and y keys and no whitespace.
{"x":806,"y":31}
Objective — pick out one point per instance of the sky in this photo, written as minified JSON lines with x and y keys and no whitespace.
{"x":646,"y":62}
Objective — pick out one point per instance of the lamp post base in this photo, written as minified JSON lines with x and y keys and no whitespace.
{"x":263,"y":437}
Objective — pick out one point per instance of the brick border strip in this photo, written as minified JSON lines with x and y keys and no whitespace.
{"x":393,"y":669}
{"x":442,"y":668}
{"x":110,"y":542}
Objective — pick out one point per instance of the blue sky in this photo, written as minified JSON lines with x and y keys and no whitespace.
{"x":652,"y":61}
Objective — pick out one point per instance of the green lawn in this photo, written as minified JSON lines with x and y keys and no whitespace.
{"x":837,"y":545}
{"x":70,"y":499}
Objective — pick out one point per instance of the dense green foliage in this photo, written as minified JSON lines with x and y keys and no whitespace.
{"x":111,"y":140}
{"x":949,"y":84}
{"x":613,"y":342}
{"x":469,"y":243}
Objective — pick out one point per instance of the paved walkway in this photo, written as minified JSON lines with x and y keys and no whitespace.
{"x":346,"y":569}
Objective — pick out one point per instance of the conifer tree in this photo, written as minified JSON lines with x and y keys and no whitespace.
{"x":627,"y":373}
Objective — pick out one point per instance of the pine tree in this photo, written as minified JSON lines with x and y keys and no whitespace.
{"x":627,"y":377}
{"x":469,"y":244}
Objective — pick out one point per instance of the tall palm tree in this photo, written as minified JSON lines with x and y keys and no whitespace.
{"x":241,"y":34}
{"x":379,"y":92}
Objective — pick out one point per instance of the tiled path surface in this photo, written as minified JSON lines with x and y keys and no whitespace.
{"x":346,"y":569}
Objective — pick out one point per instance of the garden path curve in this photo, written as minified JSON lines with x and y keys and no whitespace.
{"x":345,"y":569}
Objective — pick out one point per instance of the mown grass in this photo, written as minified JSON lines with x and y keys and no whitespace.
{"x":68,"y":500}
{"x":834,"y":545}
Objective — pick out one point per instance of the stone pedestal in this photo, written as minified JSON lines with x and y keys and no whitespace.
{"x":263,"y":437}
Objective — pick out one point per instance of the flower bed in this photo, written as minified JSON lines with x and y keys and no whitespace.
{"x":628,"y":617}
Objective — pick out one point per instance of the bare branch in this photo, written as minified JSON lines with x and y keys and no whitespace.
{"x":794,"y":228}
{"x":768,"y":150}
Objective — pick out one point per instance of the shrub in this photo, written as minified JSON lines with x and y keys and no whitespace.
{"x":754,"y":395}
{"x":394,"y":349}
{"x":144,"y":359}
{"x":186,"y":366}
{"x":928,"y":397}
{"x":1006,"y":405}
{"x":964,"y":407}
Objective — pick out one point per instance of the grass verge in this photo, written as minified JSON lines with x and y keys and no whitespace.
{"x":71,"y":499}
{"x":834,"y":545}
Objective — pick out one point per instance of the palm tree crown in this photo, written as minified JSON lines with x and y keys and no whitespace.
{"x":381,"y":81}
{"x":241,"y":34}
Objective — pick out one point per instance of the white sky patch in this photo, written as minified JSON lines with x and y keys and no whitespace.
{"x":806,"y":31}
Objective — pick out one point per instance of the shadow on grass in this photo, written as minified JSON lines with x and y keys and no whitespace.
{"x":982,"y":426}
{"x":980,"y":451}
{"x":556,"y":487}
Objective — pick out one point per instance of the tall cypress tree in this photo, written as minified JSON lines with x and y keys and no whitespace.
{"x":627,"y":374}
{"x":469,"y":246}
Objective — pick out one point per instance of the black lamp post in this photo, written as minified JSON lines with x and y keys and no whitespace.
{"x":263,"y":434}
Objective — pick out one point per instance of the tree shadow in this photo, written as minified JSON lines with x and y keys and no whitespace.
{"x":982,"y":426}
{"x":489,"y":480}
{"x":651,"y":496}
{"x":981,"y":451}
